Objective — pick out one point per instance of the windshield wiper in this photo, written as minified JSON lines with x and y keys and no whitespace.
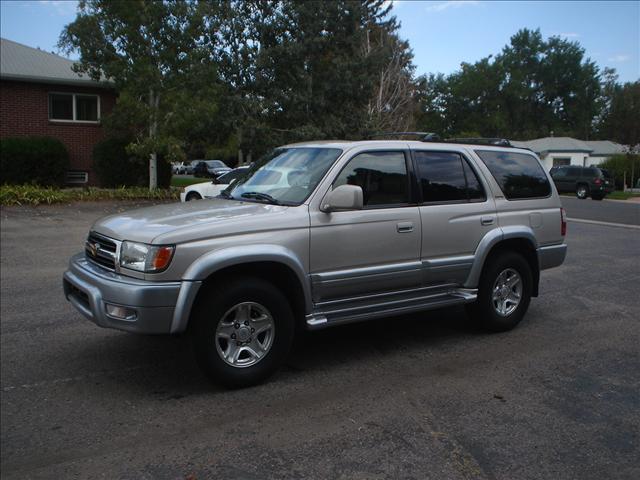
{"x":261,"y":196}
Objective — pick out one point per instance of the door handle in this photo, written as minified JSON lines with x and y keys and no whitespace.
{"x":404,"y":227}
{"x":486,"y":220}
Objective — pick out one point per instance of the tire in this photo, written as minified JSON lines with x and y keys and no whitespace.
{"x":582,"y":191}
{"x":192,"y":196}
{"x":484,"y":311}
{"x":221,"y":313}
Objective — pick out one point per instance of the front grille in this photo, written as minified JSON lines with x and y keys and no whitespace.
{"x":101,"y":250}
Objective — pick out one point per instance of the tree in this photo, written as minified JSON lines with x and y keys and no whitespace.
{"x":532,"y":88}
{"x":620,"y":111}
{"x":161,"y":57}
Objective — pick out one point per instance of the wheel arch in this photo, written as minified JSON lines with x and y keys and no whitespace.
{"x":520,"y":239}
{"x":272,"y":263}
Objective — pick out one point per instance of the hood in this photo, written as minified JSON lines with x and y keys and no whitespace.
{"x":190,"y":221}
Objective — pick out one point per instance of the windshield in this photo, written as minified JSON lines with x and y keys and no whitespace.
{"x":284,"y":176}
{"x":231,"y":176}
{"x":216,"y":164}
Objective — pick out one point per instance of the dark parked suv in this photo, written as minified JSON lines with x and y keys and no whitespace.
{"x":584,"y":181}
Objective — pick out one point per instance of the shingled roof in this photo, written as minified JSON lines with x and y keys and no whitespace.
{"x":23,"y":63}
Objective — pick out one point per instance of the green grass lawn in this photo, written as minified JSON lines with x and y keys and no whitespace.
{"x":185,"y":181}
{"x":620,"y":195}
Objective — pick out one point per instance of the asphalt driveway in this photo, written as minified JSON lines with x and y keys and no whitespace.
{"x":422,"y":396}
{"x":613,"y":211}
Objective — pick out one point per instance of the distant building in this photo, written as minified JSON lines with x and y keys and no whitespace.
{"x":41,"y":95}
{"x":556,"y":151}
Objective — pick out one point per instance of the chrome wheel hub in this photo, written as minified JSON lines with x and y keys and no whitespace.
{"x":245,"y":334}
{"x":507,"y":292}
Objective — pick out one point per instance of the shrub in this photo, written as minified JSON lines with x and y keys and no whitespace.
{"x":35,"y":160}
{"x":621,"y":167}
{"x":35,"y":195}
{"x":115,"y":167}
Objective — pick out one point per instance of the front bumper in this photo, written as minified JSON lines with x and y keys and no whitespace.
{"x":89,"y":288}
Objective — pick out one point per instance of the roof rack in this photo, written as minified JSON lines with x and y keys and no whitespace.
{"x":424,"y":136}
{"x":494,"y":142}
{"x":434,"y":137}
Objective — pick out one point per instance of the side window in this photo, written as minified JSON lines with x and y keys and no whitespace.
{"x":474,"y":187}
{"x":381,"y":175}
{"x":519,"y":175}
{"x":446,"y":177}
{"x":574,"y":172}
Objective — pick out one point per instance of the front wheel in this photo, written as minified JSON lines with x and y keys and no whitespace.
{"x":242,"y":331}
{"x":504,"y":293}
{"x":192,"y":196}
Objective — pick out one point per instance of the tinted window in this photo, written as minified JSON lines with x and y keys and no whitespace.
{"x":60,"y":106}
{"x":381,"y":175}
{"x":474,"y":187}
{"x":441,"y":176}
{"x":574,"y":172}
{"x":518,"y":174}
{"x":446,"y":177}
{"x":87,"y":108}
{"x":558,"y":172}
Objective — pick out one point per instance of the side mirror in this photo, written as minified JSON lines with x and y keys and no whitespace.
{"x":344,"y":197}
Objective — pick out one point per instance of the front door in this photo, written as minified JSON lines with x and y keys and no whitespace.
{"x":456,"y":213}
{"x":373,"y":250}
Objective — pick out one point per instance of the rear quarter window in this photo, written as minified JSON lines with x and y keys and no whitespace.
{"x":519,"y":175}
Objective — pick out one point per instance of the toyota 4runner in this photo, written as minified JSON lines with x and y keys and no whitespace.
{"x":321,"y":234}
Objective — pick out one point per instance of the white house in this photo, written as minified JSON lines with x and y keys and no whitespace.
{"x":555,"y":151}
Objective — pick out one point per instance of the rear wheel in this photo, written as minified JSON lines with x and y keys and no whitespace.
{"x":242,"y":331}
{"x":582,"y":191}
{"x":504,"y":293}
{"x":192,"y":196}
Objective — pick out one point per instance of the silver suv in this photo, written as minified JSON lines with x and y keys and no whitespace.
{"x":321,"y":234}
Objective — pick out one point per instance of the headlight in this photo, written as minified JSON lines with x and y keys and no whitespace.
{"x":145,"y":258}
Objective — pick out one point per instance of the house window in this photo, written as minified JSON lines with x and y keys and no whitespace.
{"x":559,"y":162}
{"x":74,"y":107}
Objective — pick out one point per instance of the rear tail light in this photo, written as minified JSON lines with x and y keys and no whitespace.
{"x":597,"y":181}
{"x":563,"y":222}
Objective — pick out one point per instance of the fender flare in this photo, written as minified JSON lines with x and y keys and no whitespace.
{"x":490,"y":240}
{"x":216,"y":260}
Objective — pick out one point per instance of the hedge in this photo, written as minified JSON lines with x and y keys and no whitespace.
{"x":34,"y":160}
{"x":34,"y":195}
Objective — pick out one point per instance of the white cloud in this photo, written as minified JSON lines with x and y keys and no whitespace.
{"x":619,"y":58}
{"x":442,"y":6}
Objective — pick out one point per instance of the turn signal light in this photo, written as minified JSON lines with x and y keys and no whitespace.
{"x":162,"y":258}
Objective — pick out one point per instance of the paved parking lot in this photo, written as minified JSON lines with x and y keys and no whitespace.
{"x":423,"y":396}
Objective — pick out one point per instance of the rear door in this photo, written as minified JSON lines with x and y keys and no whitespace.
{"x":456,"y":213}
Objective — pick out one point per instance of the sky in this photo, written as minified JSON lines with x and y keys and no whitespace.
{"x":442,"y":34}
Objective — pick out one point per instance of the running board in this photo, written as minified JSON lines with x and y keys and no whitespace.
{"x":323,"y":318}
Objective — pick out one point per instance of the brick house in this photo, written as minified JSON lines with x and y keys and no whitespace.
{"x":41,"y":95}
